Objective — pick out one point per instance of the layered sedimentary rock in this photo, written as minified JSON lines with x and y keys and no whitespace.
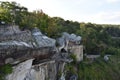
{"x":34,"y":55}
{"x":18,"y":45}
{"x":13,"y":33}
{"x":20,"y":71}
{"x":31,"y":54}
{"x":20,"y":55}
{"x":27,"y":71}
{"x":9,"y":29}
{"x":42,"y":71}
{"x":42,"y":40}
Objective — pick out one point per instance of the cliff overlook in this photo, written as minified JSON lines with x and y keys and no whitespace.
{"x":35,"y":56}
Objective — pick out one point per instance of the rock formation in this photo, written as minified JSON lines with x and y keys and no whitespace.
{"x":42,"y":40}
{"x":71,"y":44}
{"x":33,"y":55}
{"x":17,"y":44}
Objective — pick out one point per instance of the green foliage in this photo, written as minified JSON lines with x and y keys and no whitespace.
{"x":99,"y":70}
{"x":11,"y":12}
{"x":74,"y":58}
{"x":111,"y":50}
{"x":70,"y":68}
{"x":5,"y":70}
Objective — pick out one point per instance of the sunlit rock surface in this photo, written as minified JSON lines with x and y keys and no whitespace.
{"x":68,"y":37}
{"x":42,"y":40}
{"x":9,"y":29}
{"x":8,"y":44}
{"x":34,"y":56}
{"x":20,"y":71}
{"x":27,"y":71}
{"x":16,"y":44}
{"x":43,"y":71}
{"x":71,"y":43}
{"x":78,"y":51}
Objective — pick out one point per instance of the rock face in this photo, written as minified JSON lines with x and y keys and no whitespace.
{"x":42,"y":40}
{"x":42,"y":71}
{"x":71,"y":43}
{"x":78,"y":51}
{"x":21,"y":55}
{"x":27,"y":71}
{"x":9,"y":29}
{"x":17,"y":44}
{"x":30,"y":52}
{"x":13,"y":33}
{"x":34,"y":55}
{"x":8,"y":44}
{"x":68,"y":38}
{"x":20,"y":71}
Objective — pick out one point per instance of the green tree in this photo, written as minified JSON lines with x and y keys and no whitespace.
{"x":11,"y":12}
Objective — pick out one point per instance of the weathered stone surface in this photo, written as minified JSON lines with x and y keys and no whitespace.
{"x":19,"y":48}
{"x":18,"y":44}
{"x":42,"y":40}
{"x":20,"y":71}
{"x":71,"y":43}
{"x":13,"y":33}
{"x":62,"y":77}
{"x":69,"y":37}
{"x":14,"y":44}
{"x":40,"y":53}
{"x":106,"y":57}
{"x":27,"y":71}
{"x":92,"y":57}
{"x":24,"y":36}
{"x":9,"y":60}
{"x":9,"y":29}
{"x":78,"y":51}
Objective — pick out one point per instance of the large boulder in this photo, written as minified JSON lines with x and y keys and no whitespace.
{"x":42,"y":40}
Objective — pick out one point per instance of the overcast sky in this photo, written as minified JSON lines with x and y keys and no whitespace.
{"x":94,"y":11}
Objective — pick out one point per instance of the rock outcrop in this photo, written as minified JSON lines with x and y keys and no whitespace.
{"x":20,"y":71}
{"x":71,"y":44}
{"x":18,"y":45}
{"x":27,"y":71}
{"x":34,"y":56}
{"x":42,"y":40}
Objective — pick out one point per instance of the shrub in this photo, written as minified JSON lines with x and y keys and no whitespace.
{"x":5,"y":70}
{"x":74,"y":58}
